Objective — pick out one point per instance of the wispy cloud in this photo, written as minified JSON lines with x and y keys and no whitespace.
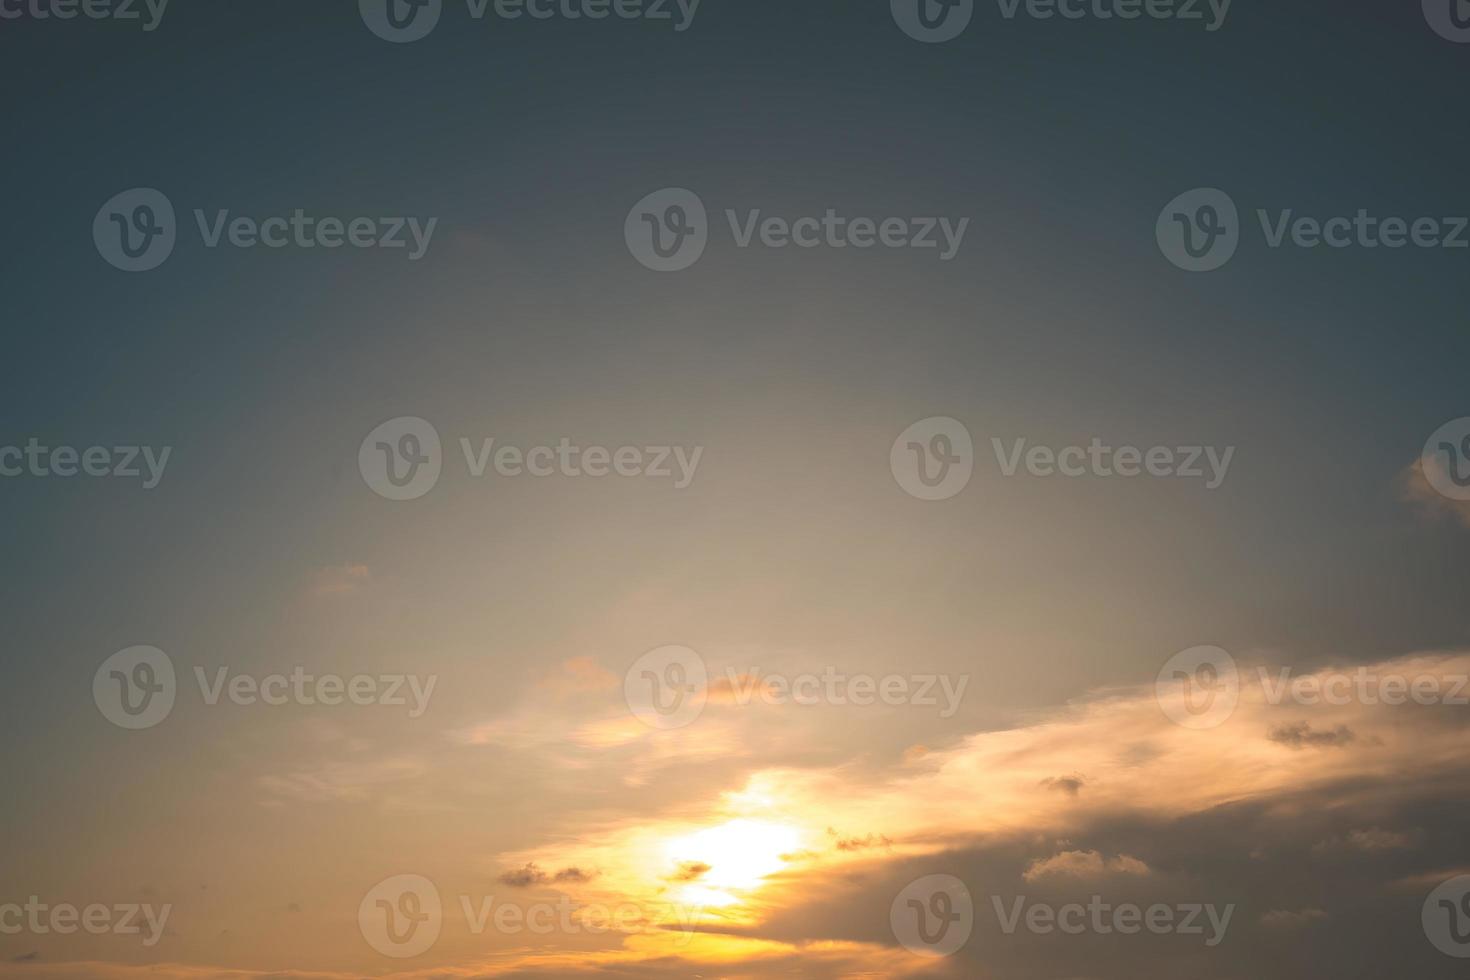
{"x":339,"y":580}
{"x":1415,"y":489}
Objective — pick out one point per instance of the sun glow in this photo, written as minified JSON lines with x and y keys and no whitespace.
{"x":719,"y":863}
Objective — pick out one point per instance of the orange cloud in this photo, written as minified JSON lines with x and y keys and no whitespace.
{"x":1085,"y":864}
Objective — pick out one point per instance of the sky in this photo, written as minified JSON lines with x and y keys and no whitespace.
{"x":1036,"y":554}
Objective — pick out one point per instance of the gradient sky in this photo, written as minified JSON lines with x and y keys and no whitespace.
{"x":794,"y":549}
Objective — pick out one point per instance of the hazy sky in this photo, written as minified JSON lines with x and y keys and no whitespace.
{"x":509,"y":634}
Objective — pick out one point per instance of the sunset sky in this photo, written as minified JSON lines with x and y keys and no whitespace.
{"x":765,"y":837}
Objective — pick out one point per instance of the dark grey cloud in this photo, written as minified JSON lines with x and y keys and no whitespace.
{"x":1300,"y":735}
{"x":1071,"y":785}
{"x":531,"y":875}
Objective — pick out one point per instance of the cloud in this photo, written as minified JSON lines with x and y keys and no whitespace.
{"x":1084,"y":864}
{"x":532,"y":875}
{"x":576,"y":875}
{"x":339,"y":580}
{"x":691,"y":871}
{"x":1071,"y":785}
{"x":96,"y":970}
{"x":1417,"y":491}
{"x":580,"y":675}
{"x":1134,"y":760}
{"x":1429,"y":879}
{"x":1229,"y":814}
{"x":647,"y":957}
{"x":524,"y":877}
{"x":1299,"y":735}
{"x":1378,"y":840}
{"x":1369,"y":841}
{"x":339,"y":781}
{"x":857,"y":843}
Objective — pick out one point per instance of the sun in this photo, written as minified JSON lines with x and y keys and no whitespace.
{"x":722,"y":862}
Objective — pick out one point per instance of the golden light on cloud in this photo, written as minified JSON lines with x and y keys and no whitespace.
{"x":741,"y":858}
{"x":736,"y":876}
